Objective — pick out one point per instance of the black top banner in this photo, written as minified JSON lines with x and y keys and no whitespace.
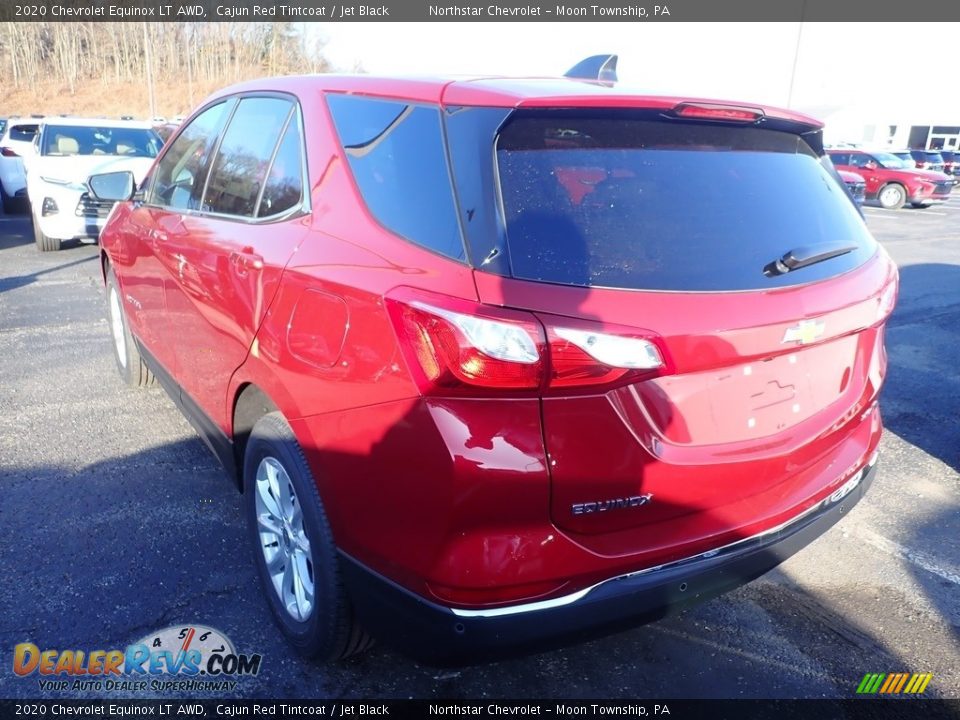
{"x":479,"y":11}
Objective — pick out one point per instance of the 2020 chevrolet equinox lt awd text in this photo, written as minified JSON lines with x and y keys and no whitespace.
{"x":504,"y":363}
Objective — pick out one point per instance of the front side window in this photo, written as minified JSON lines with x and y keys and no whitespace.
{"x":180,"y":175}
{"x":243,"y":159}
{"x":397,"y":157}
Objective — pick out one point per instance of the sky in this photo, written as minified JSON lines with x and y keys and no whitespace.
{"x":839,"y":65}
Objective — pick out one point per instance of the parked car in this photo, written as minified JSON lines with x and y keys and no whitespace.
{"x":892,"y":181}
{"x":68,"y":151}
{"x":928,"y":160}
{"x":855,"y":184}
{"x":951,"y":162}
{"x":503,"y":363}
{"x":16,"y":142}
{"x":166,"y":131}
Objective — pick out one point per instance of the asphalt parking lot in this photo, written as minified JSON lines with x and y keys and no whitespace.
{"x":116,"y":521}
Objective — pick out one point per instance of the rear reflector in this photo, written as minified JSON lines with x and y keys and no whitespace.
{"x":718,"y":112}
{"x":8,"y":152}
{"x":495,"y":595}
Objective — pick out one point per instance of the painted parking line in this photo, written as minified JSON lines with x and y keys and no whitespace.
{"x":901,"y":213}
{"x":915,"y":557}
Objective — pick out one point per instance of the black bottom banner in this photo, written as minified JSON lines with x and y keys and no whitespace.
{"x":868,"y":709}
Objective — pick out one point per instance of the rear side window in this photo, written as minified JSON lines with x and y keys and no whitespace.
{"x":241,"y":164}
{"x":840,"y":158}
{"x":283,"y":188}
{"x":23,"y":133}
{"x":180,"y":175}
{"x":667,"y":205}
{"x":397,"y":157}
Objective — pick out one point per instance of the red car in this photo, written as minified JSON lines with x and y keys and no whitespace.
{"x":504,"y":363}
{"x":855,"y":184}
{"x":894,"y":181}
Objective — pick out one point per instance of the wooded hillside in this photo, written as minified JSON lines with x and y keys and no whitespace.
{"x":102,"y":68}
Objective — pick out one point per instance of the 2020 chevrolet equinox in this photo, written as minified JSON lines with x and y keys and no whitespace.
{"x":504,"y":363}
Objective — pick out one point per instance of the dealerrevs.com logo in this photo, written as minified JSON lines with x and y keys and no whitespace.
{"x":184,"y":658}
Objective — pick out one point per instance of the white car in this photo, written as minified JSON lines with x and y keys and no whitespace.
{"x":16,"y":143}
{"x":70,"y":150}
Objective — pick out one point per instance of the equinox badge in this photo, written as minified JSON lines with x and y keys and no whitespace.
{"x":804,"y":332}
{"x":611,"y":504}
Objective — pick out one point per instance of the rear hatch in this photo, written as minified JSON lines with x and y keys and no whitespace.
{"x":733,"y":251}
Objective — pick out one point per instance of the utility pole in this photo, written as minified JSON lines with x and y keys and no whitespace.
{"x":189,"y":68}
{"x":796,"y":54}
{"x":148,"y":55}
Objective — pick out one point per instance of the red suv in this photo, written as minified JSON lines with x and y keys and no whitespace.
{"x":894,"y":181}
{"x":504,"y":363}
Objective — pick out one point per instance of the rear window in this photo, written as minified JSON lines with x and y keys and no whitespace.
{"x":23,"y":133}
{"x":667,"y":205}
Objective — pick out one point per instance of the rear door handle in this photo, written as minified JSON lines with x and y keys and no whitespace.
{"x":245,"y":260}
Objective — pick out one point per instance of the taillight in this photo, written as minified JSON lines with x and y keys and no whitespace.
{"x":455,"y":346}
{"x":462,"y":345}
{"x":586,"y":357}
{"x":705,"y":111}
{"x":8,"y":152}
{"x":887,"y":301}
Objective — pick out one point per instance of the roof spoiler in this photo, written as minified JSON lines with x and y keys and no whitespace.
{"x":595,"y":67}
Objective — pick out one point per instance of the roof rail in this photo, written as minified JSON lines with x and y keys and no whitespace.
{"x":595,"y":67}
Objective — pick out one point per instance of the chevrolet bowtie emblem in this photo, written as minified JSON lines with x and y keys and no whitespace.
{"x":804,"y":332}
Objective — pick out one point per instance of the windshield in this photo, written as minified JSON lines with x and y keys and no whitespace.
{"x":63,"y":140}
{"x":663,"y":205}
{"x":892,"y":162}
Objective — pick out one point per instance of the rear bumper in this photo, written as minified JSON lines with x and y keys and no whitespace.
{"x":441,"y":635}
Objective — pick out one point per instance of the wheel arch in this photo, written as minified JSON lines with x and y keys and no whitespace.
{"x":104,"y":265}
{"x":250,"y":403}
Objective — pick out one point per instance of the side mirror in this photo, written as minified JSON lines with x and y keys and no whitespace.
{"x":115,"y":186}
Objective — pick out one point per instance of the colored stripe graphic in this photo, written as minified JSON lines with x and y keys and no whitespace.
{"x":870,"y":683}
{"x":903,"y":680}
{"x":918,"y":683}
{"x":894,"y":683}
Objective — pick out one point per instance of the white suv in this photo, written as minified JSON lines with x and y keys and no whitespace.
{"x":70,"y":150}
{"x":16,"y":143}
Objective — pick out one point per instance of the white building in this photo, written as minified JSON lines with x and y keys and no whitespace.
{"x":935,"y":128}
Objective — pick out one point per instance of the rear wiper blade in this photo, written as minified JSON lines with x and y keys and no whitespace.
{"x":801,"y":257}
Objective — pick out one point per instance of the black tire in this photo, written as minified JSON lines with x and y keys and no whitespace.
{"x":919,"y":206}
{"x":45,"y":243}
{"x":892,"y":196}
{"x":329,"y":630}
{"x":130,"y":364}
